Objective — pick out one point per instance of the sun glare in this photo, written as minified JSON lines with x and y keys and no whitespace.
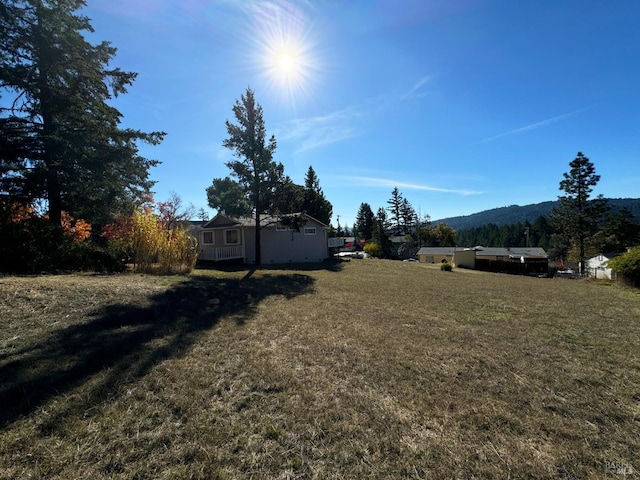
{"x":284,"y":50}
{"x":286,"y":62}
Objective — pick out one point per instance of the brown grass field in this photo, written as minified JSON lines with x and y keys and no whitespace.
{"x":361,"y":369}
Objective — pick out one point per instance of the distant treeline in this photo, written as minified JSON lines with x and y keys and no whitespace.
{"x":619,"y":229}
{"x":513,"y":214}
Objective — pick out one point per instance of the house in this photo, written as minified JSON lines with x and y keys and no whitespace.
{"x":352,"y":244}
{"x":520,"y":261}
{"x":456,"y":256}
{"x":515,"y":260}
{"x":596,"y":267}
{"x":226,"y":238}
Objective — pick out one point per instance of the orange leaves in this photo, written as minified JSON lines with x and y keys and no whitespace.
{"x":79,"y":230}
{"x":19,"y":212}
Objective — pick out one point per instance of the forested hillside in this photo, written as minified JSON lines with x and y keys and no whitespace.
{"x":618,"y":230}
{"x":516,"y":213}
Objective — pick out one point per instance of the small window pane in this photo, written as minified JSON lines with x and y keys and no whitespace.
{"x":309,"y":230}
{"x":231,"y":236}
{"x":207,"y":237}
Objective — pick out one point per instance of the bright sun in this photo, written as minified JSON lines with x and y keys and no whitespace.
{"x":286,"y":62}
{"x":283,"y":49}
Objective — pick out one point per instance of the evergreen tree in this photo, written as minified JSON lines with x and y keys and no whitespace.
{"x":289,"y":197}
{"x":315,"y":203}
{"x":365,"y":221}
{"x":395,"y":211}
{"x":577,"y":214}
{"x":311,"y":181}
{"x":228,"y":197}
{"x":620,"y":231}
{"x":379,"y":234}
{"x":408,"y":217}
{"x":257,"y":174}
{"x":61,"y":141}
{"x":339,"y":231}
{"x":541,"y":232}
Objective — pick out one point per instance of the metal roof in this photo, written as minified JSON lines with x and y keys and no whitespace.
{"x":528,"y":252}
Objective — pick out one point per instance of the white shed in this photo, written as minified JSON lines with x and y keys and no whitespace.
{"x":597,"y":266}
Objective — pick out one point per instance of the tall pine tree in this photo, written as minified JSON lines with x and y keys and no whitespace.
{"x":365,"y":221}
{"x":315,"y":203}
{"x":61,"y":140}
{"x":578,"y":214}
{"x":379,"y":233}
{"x":395,"y":211}
{"x":257,"y":175}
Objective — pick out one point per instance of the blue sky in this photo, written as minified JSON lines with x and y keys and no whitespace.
{"x":463,"y":105}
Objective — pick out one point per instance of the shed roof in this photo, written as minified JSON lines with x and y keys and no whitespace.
{"x":527,"y":252}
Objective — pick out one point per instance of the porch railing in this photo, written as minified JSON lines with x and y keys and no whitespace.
{"x":218,"y":254}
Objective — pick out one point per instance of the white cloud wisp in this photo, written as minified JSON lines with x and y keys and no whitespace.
{"x":387,"y":183}
{"x":534,"y":126}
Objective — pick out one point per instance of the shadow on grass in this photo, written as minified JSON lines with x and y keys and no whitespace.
{"x":331,"y":265}
{"x":118,"y":344}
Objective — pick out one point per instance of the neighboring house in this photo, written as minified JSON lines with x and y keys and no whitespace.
{"x":226,"y":238}
{"x":508,"y":260}
{"x":352,"y":244}
{"x":456,"y":256}
{"x":516,"y":260}
{"x":596,"y":267}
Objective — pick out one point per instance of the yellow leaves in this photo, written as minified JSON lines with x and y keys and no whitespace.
{"x":151,"y":244}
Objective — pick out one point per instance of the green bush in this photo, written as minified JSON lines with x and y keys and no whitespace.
{"x":446,"y":267}
{"x":628,"y":266}
{"x":374,"y":249}
{"x":30,"y":246}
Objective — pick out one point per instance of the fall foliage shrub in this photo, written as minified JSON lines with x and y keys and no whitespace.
{"x":144,"y":240}
{"x":374,"y":249}
{"x":178,"y":252}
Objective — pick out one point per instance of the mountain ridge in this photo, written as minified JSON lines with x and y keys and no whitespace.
{"x":515,"y":213}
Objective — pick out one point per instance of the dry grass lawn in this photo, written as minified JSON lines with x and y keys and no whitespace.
{"x":368,"y":368}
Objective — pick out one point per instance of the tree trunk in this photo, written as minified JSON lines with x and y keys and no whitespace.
{"x":54,"y":197}
{"x":50,"y":149}
{"x":258,"y":256}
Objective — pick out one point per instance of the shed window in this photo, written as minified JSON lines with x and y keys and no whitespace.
{"x":231,"y":237}
{"x":309,"y":230}
{"x":207,"y":238}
